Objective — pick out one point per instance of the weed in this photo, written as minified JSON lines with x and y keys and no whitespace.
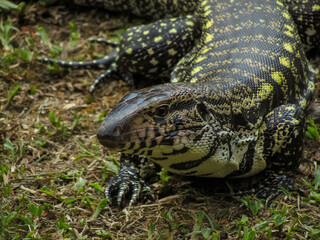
{"x":84,"y":152}
{"x":275,"y":223}
{"x":118,"y":34}
{"x":312,"y":130}
{"x":33,"y":89}
{"x":80,"y":185}
{"x":287,"y":193}
{"x":151,"y":229}
{"x":24,"y":54}
{"x":248,"y":234}
{"x":9,"y":145}
{"x":44,"y":37}
{"x":5,"y":184}
{"x":96,"y":186}
{"x":103,"y":234}
{"x":164,"y":177}
{"x":199,"y":230}
{"x":51,"y":193}
{"x":3,"y":173}
{"x":76,"y":120}
{"x":4,"y":4}
{"x":6,"y":219}
{"x":15,"y":152}
{"x":112,"y":166}
{"x":10,"y":55}
{"x":61,"y":129}
{"x":101,"y":116}
{"x":55,"y":50}
{"x":40,"y":129}
{"x":11,"y":93}
{"x":172,"y":224}
{"x":244,"y":230}
{"x":317,"y":179}
{"x":253,"y":204}
{"x":64,"y":229}
{"x":28,"y":222}
{"x":6,"y":34}
{"x":102,"y":204}
{"x":314,"y":186}
{"x":313,"y":233}
{"x":40,"y":142}
{"x":279,"y":217}
{"x":6,"y":61}
{"x":74,"y":35}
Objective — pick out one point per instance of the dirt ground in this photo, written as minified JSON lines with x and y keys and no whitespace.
{"x":53,"y":171}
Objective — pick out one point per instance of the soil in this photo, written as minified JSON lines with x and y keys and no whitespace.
{"x":58,"y":164}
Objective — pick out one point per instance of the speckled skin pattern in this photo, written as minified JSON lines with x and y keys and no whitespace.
{"x":144,"y":52}
{"x":240,"y":84}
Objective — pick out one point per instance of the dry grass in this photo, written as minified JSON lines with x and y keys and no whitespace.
{"x":53,"y":171}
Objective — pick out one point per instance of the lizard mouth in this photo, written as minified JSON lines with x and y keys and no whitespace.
{"x":111,"y":137}
{"x":117,"y":139}
{"x":109,"y":142}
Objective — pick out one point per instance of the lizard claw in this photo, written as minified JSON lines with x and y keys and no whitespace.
{"x":126,"y":187}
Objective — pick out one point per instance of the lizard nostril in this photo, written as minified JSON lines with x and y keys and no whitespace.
{"x":117,"y":131}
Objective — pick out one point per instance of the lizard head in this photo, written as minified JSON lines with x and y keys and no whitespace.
{"x":166,"y":122}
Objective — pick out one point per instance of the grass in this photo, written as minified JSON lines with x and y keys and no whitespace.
{"x":4,"y":4}
{"x":53,"y":171}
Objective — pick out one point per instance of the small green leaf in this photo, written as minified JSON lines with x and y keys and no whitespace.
{"x":96,"y":186}
{"x":317,"y":179}
{"x":248,"y":235}
{"x":111,"y":167}
{"x":35,"y":211}
{"x":215,"y":236}
{"x":164,"y":176}
{"x":254,"y":205}
{"x":46,"y":190}
{"x":206,"y":232}
{"x":262,"y":225}
{"x":102,"y":115}
{"x":71,"y":200}
{"x":6,"y":35}
{"x":54,"y":52}
{"x":33,"y":89}
{"x":44,"y":37}
{"x":279,"y":220}
{"x":83,"y":151}
{"x":102,"y":204}
{"x":243,"y":220}
{"x":24,"y":54}
{"x":62,"y":224}
{"x":312,"y":130}
{"x":75,"y":122}
{"x":104,"y":234}
{"x":315,"y":196}
{"x":72,"y":174}
{"x":40,"y":141}
{"x":9,"y":145}
{"x":80,"y":183}
{"x":7,"y":4}
{"x":12,"y":93}
{"x":308,"y":184}
{"x":151,"y":229}
{"x":52,"y":118}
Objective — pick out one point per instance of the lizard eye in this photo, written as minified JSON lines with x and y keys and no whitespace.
{"x":161,"y":111}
